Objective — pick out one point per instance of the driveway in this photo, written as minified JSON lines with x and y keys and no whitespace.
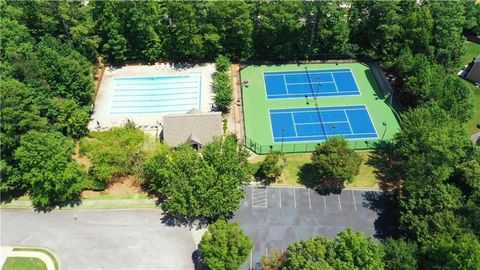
{"x":103,"y":239}
{"x":276,"y":216}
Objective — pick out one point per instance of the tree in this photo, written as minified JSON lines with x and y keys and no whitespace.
{"x":349,"y":250}
{"x":222,"y":86}
{"x":332,"y":32}
{"x":20,"y":113}
{"x":206,"y":187}
{"x":45,"y":163}
{"x":307,"y":254}
{"x":225,"y":246}
{"x":400,"y":255}
{"x":447,"y":38}
{"x":335,"y":163}
{"x":271,"y":167}
{"x":273,"y":262}
{"x":450,"y":252}
{"x":472,"y":17}
{"x":429,"y":210}
{"x":69,"y":118}
{"x":430,"y":145}
{"x":352,"y":250}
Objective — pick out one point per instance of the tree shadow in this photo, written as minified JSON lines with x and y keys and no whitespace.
{"x":385,"y":204}
{"x":75,"y":201}
{"x":172,"y":220}
{"x":310,"y":179}
{"x":9,"y":196}
{"x":198,"y":260}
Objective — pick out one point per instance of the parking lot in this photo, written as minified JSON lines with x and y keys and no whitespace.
{"x":276,"y":216}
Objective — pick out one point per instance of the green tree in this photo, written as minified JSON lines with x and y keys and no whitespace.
{"x":19,"y":112}
{"x":400,"y":255}
{"x":430,"y":145}
{"x":332,"y":31}
{"x":352,"y":250}
{"x":194,"y":186}
{"x":45,"y":163}
{"x":225,"y":246}
{"x":453,"y":253}
{"x":472,"y":17}
{"x":108,"y":21}
{"x":271,"y":167}
{"x":334,"y":163}
{"x":222,"y":86}
{"x":429,"y":210}
{"x":69,"y":118}
{"x":447,"y":38}
{"x":307,"y":254}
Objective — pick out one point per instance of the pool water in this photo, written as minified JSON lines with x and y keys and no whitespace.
{"x":155,"y":95}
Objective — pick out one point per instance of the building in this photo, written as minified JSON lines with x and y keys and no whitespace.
{"x":194,"y":127}
{"x":473,"y":71}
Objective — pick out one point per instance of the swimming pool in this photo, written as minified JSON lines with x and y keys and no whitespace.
{"x":155,"y":95}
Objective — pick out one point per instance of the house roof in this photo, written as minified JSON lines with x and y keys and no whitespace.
{"x":193,"y":127}
{"x":477,"y":60}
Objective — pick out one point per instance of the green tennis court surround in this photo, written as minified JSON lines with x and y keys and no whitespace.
{"x":292,"y":108}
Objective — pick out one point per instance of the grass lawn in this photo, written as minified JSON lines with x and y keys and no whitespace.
{"x":472,"y":51}
{"x":365,"y":179}
{"x":49,"y":254}
{"x":23,"y":263}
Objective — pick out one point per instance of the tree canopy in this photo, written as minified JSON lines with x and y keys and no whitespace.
{"x":225,"y":246}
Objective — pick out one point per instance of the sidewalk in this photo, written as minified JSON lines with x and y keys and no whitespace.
{"x":9,"y":252}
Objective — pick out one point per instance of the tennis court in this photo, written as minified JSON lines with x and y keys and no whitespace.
{"x":152,"y":95}
{"x":312,"y":124}
{"x":310,"y":83}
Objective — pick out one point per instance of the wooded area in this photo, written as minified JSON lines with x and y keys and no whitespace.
{"x":50,"y":51}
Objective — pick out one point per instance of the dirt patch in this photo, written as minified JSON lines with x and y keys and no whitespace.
{"x":124,"y":186}
{"x":78,"y":158}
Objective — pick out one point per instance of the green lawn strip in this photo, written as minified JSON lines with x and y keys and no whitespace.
{"x":256,"y":105}
{"x":24,"y":263}
{"x":117,"y":197}
{"x":472,"y":50}
{"x":45,"y":251}
{"x":365,"y":179}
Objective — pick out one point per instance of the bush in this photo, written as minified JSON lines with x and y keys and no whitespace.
{"x":118,"y":151}
{"x":271,"y":167}
{"x":222,"y":64}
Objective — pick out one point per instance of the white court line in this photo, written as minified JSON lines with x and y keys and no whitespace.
{"x":335,"y":83}
{"x":354,"y":202}
{"x":280,"y":196}
{"x":309,"y":200}
{"x":311,"y":123}
{"x":317,"y":82}
{"x":323,"y":94}
{"x":294,"y":198}
{"x":315,"y":110}
{"x":339,"y":203}
{"x":294,"y":124}
{"x":285,"y":84}
{"x":324,"y":202}
{"x":349,"y":126}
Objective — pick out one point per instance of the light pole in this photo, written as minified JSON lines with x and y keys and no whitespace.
{"x":334,"y":127}
{"x":283,"y":135}
{"x":385,"y":131}
{"x":306,"y":100}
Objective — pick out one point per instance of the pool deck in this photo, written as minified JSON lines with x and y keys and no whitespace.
{"x":101,"y":119}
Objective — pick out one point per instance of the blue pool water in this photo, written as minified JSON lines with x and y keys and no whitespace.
{"x":154,"y":95}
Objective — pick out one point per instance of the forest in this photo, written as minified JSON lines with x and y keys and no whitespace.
{"x":51,"y":50}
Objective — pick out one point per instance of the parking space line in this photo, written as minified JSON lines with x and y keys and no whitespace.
{"x":339,"y":203}
{"x":325,"y":202}
{"x":309,"y":200}
{"x":280,"y":196}
{"x":354,"y":203}
{"x":294,"y":198}
{"x":266,"y":252}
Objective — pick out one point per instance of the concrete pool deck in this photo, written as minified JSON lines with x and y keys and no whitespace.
{"x":150,"y":123}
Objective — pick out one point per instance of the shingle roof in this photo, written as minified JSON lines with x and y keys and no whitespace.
{"x":193,"y":126}
{"x":477,"y":60}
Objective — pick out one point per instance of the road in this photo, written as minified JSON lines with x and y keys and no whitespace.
{"x":103,"y":239}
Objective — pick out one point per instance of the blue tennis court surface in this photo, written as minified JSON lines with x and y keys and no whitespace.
{"x":152,"y":95}
{"x":311,"y":124}
{"x":294,"y":84}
